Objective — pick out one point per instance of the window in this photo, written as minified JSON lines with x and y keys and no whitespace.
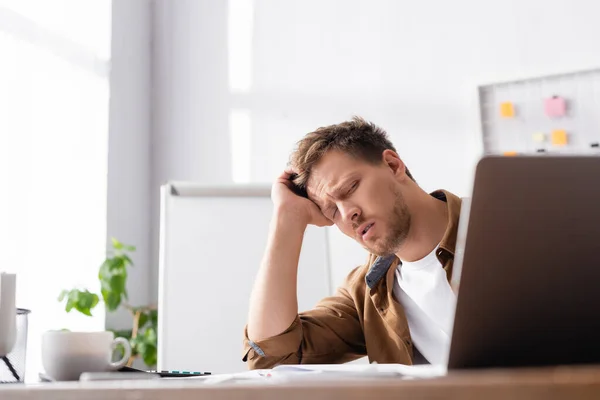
{"x":54,"y":94}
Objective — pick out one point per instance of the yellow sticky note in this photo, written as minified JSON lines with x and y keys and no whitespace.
{"x":510,"y":153}
{"x":507,"y":109}
{"x":539,"y":137}
{"x":559,"y":137}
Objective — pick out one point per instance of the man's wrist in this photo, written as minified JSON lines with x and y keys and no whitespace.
{"x":290,"y":218}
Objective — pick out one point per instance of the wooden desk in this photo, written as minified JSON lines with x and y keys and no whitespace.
{"x":548,"y":384}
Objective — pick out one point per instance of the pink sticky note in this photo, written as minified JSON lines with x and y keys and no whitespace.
{"x":555,"y":106}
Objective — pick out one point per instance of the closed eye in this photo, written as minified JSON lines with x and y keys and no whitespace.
{"x":333,"y":209}
{"x":351,"y":189}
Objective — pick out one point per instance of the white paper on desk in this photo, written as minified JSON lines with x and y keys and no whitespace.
{"x":328,"y":371}
{"x":254,"y":375}
{"x":361,"y":370}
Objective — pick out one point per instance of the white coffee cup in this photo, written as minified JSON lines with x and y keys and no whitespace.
{"x":66,"y":355}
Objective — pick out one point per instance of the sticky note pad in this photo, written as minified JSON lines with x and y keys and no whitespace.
{"x":539,"y":137}
{"x":507,"y":109}
{"x":555,"y":106}
{"x":559,"y":137}
{"x":510,"y":153}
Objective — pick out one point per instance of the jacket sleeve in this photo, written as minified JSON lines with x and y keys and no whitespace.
{"x":330,"y":333}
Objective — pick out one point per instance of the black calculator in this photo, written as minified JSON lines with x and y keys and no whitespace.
{"x":167,"y":374}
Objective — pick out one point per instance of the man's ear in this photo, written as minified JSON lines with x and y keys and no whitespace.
{"x":393,"y":161}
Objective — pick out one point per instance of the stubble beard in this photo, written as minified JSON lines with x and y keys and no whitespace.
{"x":400,"y":226}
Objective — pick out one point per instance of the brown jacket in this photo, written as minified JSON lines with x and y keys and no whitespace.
{"x":362,"y":318}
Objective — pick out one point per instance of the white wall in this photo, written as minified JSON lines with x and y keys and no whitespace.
{"x":190,"y":139}
{"x":410,"y":66}
{"x":129,"y":169}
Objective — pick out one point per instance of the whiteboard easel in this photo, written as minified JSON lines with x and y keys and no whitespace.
{"x":211,"y":244}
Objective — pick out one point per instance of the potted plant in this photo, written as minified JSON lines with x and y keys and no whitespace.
{"x":113,"y":292}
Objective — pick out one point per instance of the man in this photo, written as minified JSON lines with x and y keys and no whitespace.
{"x":398,"y":307}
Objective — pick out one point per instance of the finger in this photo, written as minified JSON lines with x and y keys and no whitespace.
{"x":286,"y":174}
{"x":288,"y":183}
{"x":291,"y":170}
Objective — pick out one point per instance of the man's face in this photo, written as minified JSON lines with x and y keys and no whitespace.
{"x":365,"y":201}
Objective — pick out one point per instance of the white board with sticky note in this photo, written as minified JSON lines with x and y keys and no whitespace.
{"x":211,"y":245}
{"x":550,"y":114}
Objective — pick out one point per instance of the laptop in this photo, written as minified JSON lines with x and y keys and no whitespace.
{"x":527,"y":264}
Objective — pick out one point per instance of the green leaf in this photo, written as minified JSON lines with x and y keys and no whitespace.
{"x":129,"y":248}
{"x":89,"y":301}
{"x":117,"y":264}
{"x":150,"y":335}
{"x":112,"y":300}
{"x":154,"y":319}
{"x":70,"y":305}
{"x":116,"y":244}
{"x":136,"y":343}
{"x":85,"y":301}
{"x":113,"y":275}
{"x":143,"y":320}
{"x":104,"y":270}
{"x":117,"y":283}
{"x":85,"y":311}
{"x":120,"y":246}
{"x":62,"y":295}
{"x":80,"y":300}
{"x":126,"y":259}
{"x":113,"y":279}
{"x":140,"y":345}
{"x":150,"y":356}
{"x":146,"y":346}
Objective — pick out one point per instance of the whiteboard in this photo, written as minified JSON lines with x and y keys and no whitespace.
{"x":530,"y":130}
{"x":211,"y":244}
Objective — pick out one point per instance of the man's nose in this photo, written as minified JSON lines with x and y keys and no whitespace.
{"x":350,"y":212}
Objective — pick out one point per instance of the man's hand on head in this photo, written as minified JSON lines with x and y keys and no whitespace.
{"x":289,"y":200}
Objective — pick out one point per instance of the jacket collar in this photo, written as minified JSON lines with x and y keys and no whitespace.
{"x":380,"y":266}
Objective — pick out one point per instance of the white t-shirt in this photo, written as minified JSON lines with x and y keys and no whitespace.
{"x":423,"y":290}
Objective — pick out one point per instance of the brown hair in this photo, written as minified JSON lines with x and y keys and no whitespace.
{"x":359,"y":138}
